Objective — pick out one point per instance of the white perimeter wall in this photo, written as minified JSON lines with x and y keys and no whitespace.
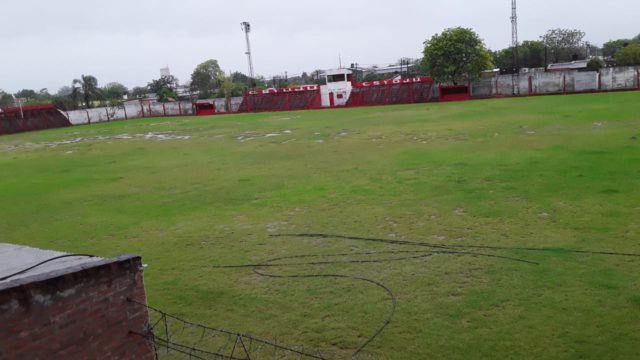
{"x":607,"y":79}
{"x":129,"y":111}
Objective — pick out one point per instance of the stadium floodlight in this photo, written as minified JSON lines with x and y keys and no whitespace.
{"x":19,"y":104}
{"x":246,"y":27}
{"x":515,"y":78}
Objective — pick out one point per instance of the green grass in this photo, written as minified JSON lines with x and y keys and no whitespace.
{"x":560,"y":172}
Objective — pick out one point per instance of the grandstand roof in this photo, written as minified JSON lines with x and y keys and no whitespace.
{"x":573,"y":65}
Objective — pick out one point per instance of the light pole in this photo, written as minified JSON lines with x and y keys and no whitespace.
{"x":19,"y":103}
{"x":515,"y":78}
{"x":246,"y":27}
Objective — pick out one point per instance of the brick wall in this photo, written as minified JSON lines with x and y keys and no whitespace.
{"x":80,"y":312}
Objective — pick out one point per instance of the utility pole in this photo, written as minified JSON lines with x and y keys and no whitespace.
{"x":246,"y":27}
{"x":515,"y":78}
{"x":587,"y":50}
{"x":19,"y":103}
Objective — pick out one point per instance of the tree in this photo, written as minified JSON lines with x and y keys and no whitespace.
{"x":503,"y":60}
{"x":166,"y":95}
{"x":75,"y":96}
{"x":6,"y":100}
{"x":66,"y":98}
{"x":629,"y":55}
{"x":458,"y":55}
{"x":32,"y":97}
{"x":595,"y":64}
{"x":113,"y":106}
{"x":206,"y":77}
{"x":88,"y":87}
{"x":372,"y":76}
{"x":165,"y":82}
{"x":610,"y":48}
{"x":240,"y":78}
{"x":65,"y":103}
{"x":564,"y":44}
{"x":114,"y":91}
{"x":592,"y":50}
{"x":227,"y":88}
{"x":530,"y":55}
{"x":164,"y":88}
{"x":139,"y":91}
{"x":27,"y":94}
{"x":64,"y":91}
{"x":43,"y":94}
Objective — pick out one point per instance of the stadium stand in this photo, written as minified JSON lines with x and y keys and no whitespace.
{"x":389,"y":92}
{"x":31,"y":118}
{"x":281,"y":99}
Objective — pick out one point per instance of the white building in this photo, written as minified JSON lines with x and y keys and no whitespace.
{"x":338,"y":88}
{"x":165,"y":71}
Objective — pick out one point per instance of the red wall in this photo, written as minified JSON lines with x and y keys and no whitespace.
{"x":83,"y":314}
{"x":454,"y":93}
{"x":33,"y":117}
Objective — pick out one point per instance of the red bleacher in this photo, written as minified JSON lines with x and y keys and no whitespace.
{"x":389,"y":92}
{"x":30,"y":118}
{"x":295,"y":98}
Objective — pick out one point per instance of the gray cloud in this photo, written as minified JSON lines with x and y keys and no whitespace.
{"x":48,"y":43}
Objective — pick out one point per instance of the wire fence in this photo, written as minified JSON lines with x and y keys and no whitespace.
{"x":176,"y":338}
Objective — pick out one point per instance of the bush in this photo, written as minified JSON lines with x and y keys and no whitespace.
{"x":595,"y":64}
{"x":628,"y":56}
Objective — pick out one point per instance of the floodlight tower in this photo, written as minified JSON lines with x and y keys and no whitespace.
{"x":246,"y":27}
{"x":19,"y":103}
{"x":515,"y":79}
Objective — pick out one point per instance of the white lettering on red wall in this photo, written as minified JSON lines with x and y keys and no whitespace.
{"x":284,"y":90}
{"x":394,"y":82}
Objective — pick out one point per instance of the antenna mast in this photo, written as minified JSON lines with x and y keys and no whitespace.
{"x":246,"y":27}
{"x":514,"y":46}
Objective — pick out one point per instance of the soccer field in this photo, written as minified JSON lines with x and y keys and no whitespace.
{"x":526,"y":181}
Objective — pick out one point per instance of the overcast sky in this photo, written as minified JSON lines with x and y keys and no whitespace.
{"x":46,"y":43}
